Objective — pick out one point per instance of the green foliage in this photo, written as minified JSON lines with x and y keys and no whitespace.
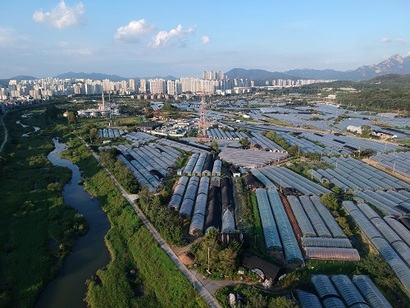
{"x":56,"y":186}
{"x":120,"y":171}
{"x":254,"y":297}
{"x":277,"y":139}
{"x":330,"y":201}
{"x":157,"y":281}
{"x":214,"y":146}
{"x":366,"y":131}
{"x":245,"y":142}
{"x":259,"y":237}
{"x":169,"y":224}
{"x":214,"y":257}
{"x":35,"y":222}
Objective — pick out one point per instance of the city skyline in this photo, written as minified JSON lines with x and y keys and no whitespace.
{"x":153,"y":38}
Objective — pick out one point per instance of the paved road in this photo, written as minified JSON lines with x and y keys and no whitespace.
{"x":191,"y":276}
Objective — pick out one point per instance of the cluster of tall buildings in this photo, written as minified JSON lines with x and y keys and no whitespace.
{"x":212,"y":82}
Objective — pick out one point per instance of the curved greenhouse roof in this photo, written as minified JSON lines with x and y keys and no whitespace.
{"x":270,"y":231}
{"x":348,"y":290}
{"x":336,"y":254}
{"x":370,"y":292}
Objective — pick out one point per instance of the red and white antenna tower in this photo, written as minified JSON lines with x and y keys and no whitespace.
{"x":202,"y":126}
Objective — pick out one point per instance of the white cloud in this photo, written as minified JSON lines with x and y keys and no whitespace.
{"x":388,"y":39}
{"x":79,"y":52}
{"x":164,"y":38}
{"x":134,"y":31}
{"x":6,"y":36}
{"x":205,"y":39}
{"x":62,"y":16}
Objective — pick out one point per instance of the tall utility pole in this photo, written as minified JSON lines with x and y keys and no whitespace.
{"x":202,"y":125}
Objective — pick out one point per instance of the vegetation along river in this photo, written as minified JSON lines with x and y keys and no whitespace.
{"x":89,"y":252}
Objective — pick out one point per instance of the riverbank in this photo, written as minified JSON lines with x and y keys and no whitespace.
{"x":140,"y":273}
{"x":38,"y":228}
{"x":89,"y":252}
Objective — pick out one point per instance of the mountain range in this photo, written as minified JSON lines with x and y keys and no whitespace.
{"x":393,"y":65}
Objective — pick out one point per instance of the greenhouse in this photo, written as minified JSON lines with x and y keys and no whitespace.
{"x":189,"y":197}
{"x":370,"y":292}
{"x":308,"y":300}
{"x":317,"y":222}
{"x":324,"y":286}
{"x":270,"y":231}
{"x":335,"y":254}
{"x":228,"y":222}
{"x":334,"y":302}
{"x":203,"y":185}
{"x":189,"y":168}
{"x":327,"y":217}
{"x":199,"y":165}
{"x":213,"y":215}
{"x":348,"y":290}
{"x":217,"y":168}
{"x":262,"y":178}
{"x":326,"y":242}
{"x":290,"y":245}
{"x":303,"y":221}
{"x":400,"y":229}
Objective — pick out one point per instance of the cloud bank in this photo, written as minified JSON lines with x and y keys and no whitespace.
{"x":133,"y":32}
{"x":62,"y":16}
{"x":174,"y":36}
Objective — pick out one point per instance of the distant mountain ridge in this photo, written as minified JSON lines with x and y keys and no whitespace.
{"x":393,"y":65}
{"x":94,"y":76}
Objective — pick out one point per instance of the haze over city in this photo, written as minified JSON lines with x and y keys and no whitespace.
{"x":183,"y":38}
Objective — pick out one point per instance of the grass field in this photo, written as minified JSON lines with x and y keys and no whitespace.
{"x":37,"y":228}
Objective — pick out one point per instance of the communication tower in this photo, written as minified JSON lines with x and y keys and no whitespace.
{"x":203,"y":125}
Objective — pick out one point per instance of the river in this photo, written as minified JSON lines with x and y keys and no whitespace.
{"x":89,"y":252}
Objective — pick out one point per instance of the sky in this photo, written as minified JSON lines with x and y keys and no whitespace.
{"x":182,"y":38}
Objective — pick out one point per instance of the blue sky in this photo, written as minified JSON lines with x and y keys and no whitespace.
{"x":184,"y":38}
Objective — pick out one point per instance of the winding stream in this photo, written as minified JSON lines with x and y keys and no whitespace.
{"x":89,"y":252}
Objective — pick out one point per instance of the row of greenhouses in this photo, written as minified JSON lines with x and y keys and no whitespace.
{"x":397,"y":162}
{"x":394,"y":203}
{"x":352,"y":174}
{"x":139,"y":137}
{"x":379,"y":234}
{"x":218,"y":133}
{"x":322,"y":238}
{"x":206,"y":202}
{"x":286,"y":178}
{"x":149,"y":163}
{"x":277,"y":229}
{"x":184,"y":146}
{"x":258,"y":140}
{"x":111,"y":133}
{"x":202,"y":164}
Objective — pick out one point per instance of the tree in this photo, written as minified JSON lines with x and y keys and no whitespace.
{"x":245,"y":142}
{"x":93,"y":134}
{"x":71,"y":117}
{"x":330,"y":201}
{"x":227,"y":260}
{"x":214,"y":146}
{"x":366,"y":131}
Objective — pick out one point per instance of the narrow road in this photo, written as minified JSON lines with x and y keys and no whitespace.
{"x":205,"y":294}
